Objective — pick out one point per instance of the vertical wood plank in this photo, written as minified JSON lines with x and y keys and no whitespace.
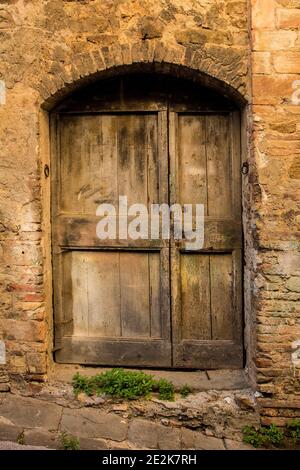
{"x":192,"y":160}
{"x":66,"y":261}
{"x":163,"y":183}
{"x":134,"y":291}
{"x":75,"y":181}
{"x":132,"y":158}
{"x":237,"y":301}
{"x":219,"y":171}
{"x":163,"y":157}
{"x":236,"y":162}
{"x":103,"y":294}
{"x":107,"y":161}
{"x":155,"y":295}
{"x":176,"y":300}
{"x":152,"y":159}
{"x":88,"y":164}
{"x":222,"y":294}
{"x":195,"y":295}
{"x":80,"y":293}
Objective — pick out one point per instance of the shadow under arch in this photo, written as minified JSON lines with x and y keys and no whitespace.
{"x":174,"y":72}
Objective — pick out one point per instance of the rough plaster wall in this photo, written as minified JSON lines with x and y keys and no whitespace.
{"x":276,"y":203}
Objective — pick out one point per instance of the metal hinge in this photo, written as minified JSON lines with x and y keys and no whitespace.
{"x":46,"y":171}
{"x":245,"y":168}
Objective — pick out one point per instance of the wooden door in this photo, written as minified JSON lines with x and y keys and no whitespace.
{"x":151,"y":303}
{"x":206,"y":283}
{"x":111,"y":296}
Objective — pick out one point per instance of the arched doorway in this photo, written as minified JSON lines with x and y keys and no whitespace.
{"x":150,"y":302}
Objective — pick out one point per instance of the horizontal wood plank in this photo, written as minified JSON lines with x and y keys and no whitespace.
{"x":83,"y":350}
{"x":208,"y":355}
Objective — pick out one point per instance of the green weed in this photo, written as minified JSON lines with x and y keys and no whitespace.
{"x":263,"y":436}
{"x":123,"y":384}
{"x":21,"y":438}
{"x":185,"y":391}
{"x":294,"y":430}
{"x":69,"y":442}
{"x":165,"y":390}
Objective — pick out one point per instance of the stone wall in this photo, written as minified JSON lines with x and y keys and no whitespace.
{"x":48,"y":47}
{"x":276,"y":203}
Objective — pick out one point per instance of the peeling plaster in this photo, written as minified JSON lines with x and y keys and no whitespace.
{"x":2,"y":93}
{"x":296,"y":355}
{"x":2,"y":353}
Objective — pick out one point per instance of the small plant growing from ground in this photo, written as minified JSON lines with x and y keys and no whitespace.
{"x":21,"y":439}
{"x":265,"y":435}
{"x":165,"y":390}
{"x":69,"y":442}
{"x":124,"y":384}
{"x":185,"y":391}
{"x":82,"y":384}
{"x":120,"y":383}
{"x":294,"y":430}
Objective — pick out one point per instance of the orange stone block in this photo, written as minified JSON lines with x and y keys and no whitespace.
{"x":261,"y":62}
{"x":273,"y":89}
{"x":288,"y":18}
{"x":263,"y":14}
{"x":274,"y":40}
{"x":287,"y":62}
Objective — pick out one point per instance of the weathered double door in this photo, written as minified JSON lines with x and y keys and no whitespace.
{"x":146,"y":302}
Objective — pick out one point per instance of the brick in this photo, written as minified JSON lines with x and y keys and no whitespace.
{"x":33,"y":298}
{"x":17,"y":364}
{"x":263,"y":14}
{"x":266,"y":421}
{"x":293,"y":284}
{"x":23,"y":330}
{"x":36,"y":363}
{"x":281,"y":86}
{"x":261,"y":62}
{"x":4,"y":387}
{"x":294,"y":170}
{"x":274,"y":41}
{"x":288,"y":18}
{"x":287,"y":62}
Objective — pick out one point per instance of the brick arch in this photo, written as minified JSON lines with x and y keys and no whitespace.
{"x":220,"y":71}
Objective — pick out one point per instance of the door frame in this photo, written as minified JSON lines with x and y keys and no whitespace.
{"x":53,"y":153}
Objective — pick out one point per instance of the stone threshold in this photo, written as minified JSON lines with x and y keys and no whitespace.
{"x":197,"y":380}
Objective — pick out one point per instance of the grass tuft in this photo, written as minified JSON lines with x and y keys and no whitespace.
{"x":123,"y":384}
{"x":69,"y":442}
